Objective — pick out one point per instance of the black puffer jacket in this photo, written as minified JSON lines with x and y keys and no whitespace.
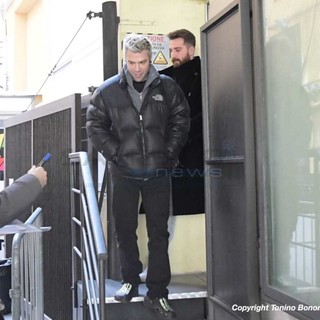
{"x":140,"y":143}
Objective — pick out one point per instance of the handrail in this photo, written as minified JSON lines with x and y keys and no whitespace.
{"x":27,"y":271}
{"x":92,"y":250}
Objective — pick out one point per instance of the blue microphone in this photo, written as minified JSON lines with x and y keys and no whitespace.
{"x":44,"y":160}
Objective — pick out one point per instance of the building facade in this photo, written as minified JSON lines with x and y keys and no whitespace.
{"x":281,"y":84}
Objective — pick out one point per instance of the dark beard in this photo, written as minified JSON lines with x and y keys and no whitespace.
{"x":177,"y":63}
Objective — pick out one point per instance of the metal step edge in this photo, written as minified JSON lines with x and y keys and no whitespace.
{"x":172,"y":296}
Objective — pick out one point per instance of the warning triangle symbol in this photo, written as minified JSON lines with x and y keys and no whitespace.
{"x":160,"y":59}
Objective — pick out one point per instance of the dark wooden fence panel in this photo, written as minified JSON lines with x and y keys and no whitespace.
{"x":54,"y":128}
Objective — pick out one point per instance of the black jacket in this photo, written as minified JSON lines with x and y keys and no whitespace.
{"x":188,"y":183}
{"x":145,"y":143}
{"x":188,"y":77}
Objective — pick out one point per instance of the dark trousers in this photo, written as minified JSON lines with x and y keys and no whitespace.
{"x":155,"y":193}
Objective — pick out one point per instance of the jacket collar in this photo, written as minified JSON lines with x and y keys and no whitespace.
{"x":153,"y":77}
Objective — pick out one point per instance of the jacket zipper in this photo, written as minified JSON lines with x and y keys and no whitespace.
{"x":142,"y":139}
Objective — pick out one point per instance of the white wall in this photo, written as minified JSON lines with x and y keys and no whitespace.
{"x":37,"y":37}
{"x":39,"y":33}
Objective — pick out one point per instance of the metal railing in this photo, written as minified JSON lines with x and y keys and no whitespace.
{"x":27,"y":271}
{"x":89,"y":256}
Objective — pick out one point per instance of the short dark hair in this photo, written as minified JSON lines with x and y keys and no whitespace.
{"x":185,"y":34}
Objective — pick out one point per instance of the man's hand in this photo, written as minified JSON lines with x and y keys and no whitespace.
{"x":40,"y":174}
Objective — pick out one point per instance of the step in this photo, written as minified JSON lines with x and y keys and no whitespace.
{"x":187,"y":295}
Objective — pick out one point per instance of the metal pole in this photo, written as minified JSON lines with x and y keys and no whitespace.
{"x":110,"y":67}
{"x":110,"y":23}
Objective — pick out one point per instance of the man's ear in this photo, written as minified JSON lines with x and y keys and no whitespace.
{"x":191,"y":51}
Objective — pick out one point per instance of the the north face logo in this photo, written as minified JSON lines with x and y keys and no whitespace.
{"x":157,"y":97}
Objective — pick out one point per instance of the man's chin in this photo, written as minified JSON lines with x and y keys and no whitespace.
{"x":176,"y":64}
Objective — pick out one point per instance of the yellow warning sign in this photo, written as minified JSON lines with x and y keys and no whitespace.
{"x":160,"y":59}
